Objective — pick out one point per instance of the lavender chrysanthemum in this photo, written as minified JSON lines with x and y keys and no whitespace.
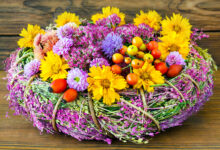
{"x":63,"y":46}
{"x":65,"y":31}
{"x":99,"y":62}
{"x":175,"y":58}
{"x":32,"y":68}
{"x":77,"y":79}
{"x":111,"y":44}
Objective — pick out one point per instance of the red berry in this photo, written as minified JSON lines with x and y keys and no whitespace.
{"x":132,"y":78}
{"x":156,"y":53}
{"x":174,"y":70}
{"x":152,"y":45}
{"x":123,"y":50}
{"x":58,"y":86}
{"x":70,"y":95}
{"x":116,"y":69}
{"x":162,"y":67}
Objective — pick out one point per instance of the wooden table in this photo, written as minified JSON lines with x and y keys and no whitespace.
{"x":201,"y":131}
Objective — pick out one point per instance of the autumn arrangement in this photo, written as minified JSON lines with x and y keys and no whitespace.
{"x":102,"y":79}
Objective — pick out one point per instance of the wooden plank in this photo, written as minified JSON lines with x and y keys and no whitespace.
{"x":7,"y":45}
{"x":213,"y":44}
{"x":16,"y":14}
{"x":201,"y":131}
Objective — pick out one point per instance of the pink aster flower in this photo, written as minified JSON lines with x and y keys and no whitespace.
{"x":63,"y":46}
{"x":175,"y":58}
{"x":99,"y":62}
{"x":77,"y":79}
{"x":32,"y":68}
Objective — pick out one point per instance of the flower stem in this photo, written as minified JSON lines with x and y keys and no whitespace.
{"x":130,"y":69}
{"x":126,"y":67}
{"x":156,"y":85}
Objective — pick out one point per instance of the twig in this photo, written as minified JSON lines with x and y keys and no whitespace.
{"x":55,"y":113}
{"x":143,"y":98}
{"x":181,"y":95}
{"x":20,"y":59}
{"x":26,"y":89}
{"x":13,"y":79}
{"x":190,"y":78}
{"x":144,"y":112}
{"x":92,"y":112}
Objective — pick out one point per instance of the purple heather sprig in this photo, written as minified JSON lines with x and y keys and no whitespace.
{"x":99,"y":62}
{"x":175,"y":58}
{"x":111,"y":44}
{"x":128,"y":31}
{"x":110,"y":21}
{"x":77,"y":79}
{"x":63,"y":46}
{"x":32,"y":68}
{"x":81,"y":57}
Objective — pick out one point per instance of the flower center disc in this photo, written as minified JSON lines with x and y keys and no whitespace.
{"x":145,"y":76}
{"x":173,"y":47}
{"x":177,"y":28}
{"x":106,"y":83}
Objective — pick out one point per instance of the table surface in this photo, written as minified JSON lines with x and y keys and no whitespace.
{"x":201,"y":131}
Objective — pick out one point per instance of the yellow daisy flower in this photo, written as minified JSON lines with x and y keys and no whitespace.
{"x":107,"y":11}
{"x":29,"y":35}
{"x":148,"y":76}
{"x":104,"y":83}
{"x":67,"y":17}
{"x":177,"y":24}
{"x":53,"y":66}
{"x":173,"y":42}
{"x":151,"y":18}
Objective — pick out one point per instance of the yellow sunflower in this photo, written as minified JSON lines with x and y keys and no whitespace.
{"x":148,"y":76}
{"x":177,"y":24}
{"x":53,"y":66}
{"x":173,"y":42}
{"x":104,"y":83}
{"x":107,"y":11}
{"x":151,"y":18}
{"x":67,"y":17}
{"x":29,"y":35}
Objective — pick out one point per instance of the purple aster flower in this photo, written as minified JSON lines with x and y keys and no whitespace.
{"x":111,"y":44}
{"x":99,"y":62}
{"x":175,"y":58}
{"x":65,"y":31}
{"x":63,"y":46}
{"x":32,"y":68}
{"x":77,"y":79}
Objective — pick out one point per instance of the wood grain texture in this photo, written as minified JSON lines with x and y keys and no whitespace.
{"x":201,"y":131}
{"x":15,"y":14}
